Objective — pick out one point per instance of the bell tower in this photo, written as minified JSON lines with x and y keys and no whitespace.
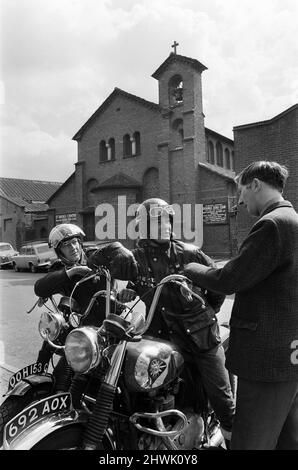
{"x":182,"y":134}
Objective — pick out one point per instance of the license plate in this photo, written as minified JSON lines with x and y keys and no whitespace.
{"x":32,"y":369}
{"x":32,"y":414}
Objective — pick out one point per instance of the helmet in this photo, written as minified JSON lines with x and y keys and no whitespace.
{"x":153,"y":208}
{"x":63,"y":232}
{"x":149,"y":210}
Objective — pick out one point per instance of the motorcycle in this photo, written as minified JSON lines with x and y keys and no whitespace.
{"x":41,"y":379}
{"x":127,"y":390}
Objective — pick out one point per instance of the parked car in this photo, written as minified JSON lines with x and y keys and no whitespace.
{"x":34,"y":256}
{"x":6,"y":253}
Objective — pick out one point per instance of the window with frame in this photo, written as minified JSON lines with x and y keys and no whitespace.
{"x":136,"y":143}
{"x":227,"y":159}
{"x":103,"y":151}
{"x":219,"y":154}
{"x":210,"y":153}
{"x":232,"y":160}
{"x":111,"y":149}
{"x":127,"y":146}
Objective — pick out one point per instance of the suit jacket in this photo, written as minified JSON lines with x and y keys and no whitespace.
{"x":264,"y":276}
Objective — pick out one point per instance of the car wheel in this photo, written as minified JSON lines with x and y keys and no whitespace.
{"x":32,"y":268}
{"x":15,"y":267}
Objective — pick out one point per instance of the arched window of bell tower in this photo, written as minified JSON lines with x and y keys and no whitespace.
{"x":175,"y":90}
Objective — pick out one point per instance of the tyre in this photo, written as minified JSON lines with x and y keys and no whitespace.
{"x":16,"y":268}
{"x":32,"y":268}
{"x":14,"y":404}
{"x":67,"y":438}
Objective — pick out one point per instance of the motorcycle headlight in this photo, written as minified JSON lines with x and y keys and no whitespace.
{"x":51,"y":325}
{"x":83,"y":349}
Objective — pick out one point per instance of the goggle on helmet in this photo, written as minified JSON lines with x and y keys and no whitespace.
{"x":154,"y":208}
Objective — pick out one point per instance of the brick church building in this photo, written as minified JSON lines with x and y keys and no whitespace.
{"x":139,"y":149}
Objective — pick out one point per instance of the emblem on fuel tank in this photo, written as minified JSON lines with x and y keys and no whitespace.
{"x":156,"y":368}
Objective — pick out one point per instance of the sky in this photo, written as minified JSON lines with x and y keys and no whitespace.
{"x":61,"y":59}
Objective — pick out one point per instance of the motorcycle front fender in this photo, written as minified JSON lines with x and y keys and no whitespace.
{"x":31,"y":382}
{"x":44,"y":427}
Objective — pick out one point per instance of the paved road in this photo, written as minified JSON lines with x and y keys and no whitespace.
{"x":19,"y":337}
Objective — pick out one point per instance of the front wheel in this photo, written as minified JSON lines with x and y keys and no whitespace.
{"x":16,"y":268}
{"x":32,"y":268}
{"x":9,"y":408}
{"x":68,"y":438}
{"x":15,"y":404}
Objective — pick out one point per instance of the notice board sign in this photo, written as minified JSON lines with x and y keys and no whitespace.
{"x":215,"y":213}
{"x":66,"y":218}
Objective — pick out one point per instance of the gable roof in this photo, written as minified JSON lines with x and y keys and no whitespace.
{"x":268,"y":121}
{"x":28,"y":190}
{"x":120,"y":180}
{"x":62,"y":186}
{"x":29,"y":207}
{"x":116,"y":92}
{"x":218,"y":136}
{"x":30,"y":194}
{"x":17,"y":201}
{"x":223,"y":172}
{"x":195,"y":64}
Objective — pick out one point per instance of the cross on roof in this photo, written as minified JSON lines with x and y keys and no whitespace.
{"x":175,"y":46}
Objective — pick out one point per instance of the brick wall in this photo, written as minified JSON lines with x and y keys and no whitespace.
{"x":63,"y":202}
{"x":12,"y":223}
{"x":218,"y":239}
{"x":123,"y":116}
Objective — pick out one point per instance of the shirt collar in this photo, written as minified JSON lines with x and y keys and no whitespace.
{"x":274,"y":205}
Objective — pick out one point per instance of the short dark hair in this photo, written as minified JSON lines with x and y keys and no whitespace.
{"x":272,"y":173}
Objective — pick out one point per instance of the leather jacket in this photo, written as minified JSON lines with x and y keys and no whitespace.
{"x":191,"y":325}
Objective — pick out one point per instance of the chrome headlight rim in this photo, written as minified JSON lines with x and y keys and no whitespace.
{"x":59,"y":323}
{"x":90,"y":337}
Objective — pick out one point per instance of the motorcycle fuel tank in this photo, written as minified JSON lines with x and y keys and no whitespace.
{"x":150,"y":364}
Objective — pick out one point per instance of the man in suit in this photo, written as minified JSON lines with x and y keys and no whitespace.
{"x":264,"y":319}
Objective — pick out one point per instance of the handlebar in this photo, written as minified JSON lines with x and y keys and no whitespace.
{"x":100,"y":270}
{"x":42,"y":301}
{"x":177,"y":278}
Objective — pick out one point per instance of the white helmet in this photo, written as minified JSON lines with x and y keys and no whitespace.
{"x":63,"y":232}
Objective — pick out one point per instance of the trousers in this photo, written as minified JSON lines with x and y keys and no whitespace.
{"x":266,"y":416}
{"x":215,"y":378}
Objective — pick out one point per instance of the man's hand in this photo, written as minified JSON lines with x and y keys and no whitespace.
{"x":126,"y":295}
{"x":119,"y":260}
{"x":78,"y":271}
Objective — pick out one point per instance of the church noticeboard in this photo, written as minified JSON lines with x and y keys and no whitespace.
{"x":215,"y":213}
{"x":66,"y":218}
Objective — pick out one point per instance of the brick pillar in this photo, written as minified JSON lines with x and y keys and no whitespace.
{"x":164,"y":173}
{"x":79,"y":190}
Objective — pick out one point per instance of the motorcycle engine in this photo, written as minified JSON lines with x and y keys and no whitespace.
{"x":189,"y":438}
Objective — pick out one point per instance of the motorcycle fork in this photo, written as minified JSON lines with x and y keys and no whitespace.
{"x":99,"y":419}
